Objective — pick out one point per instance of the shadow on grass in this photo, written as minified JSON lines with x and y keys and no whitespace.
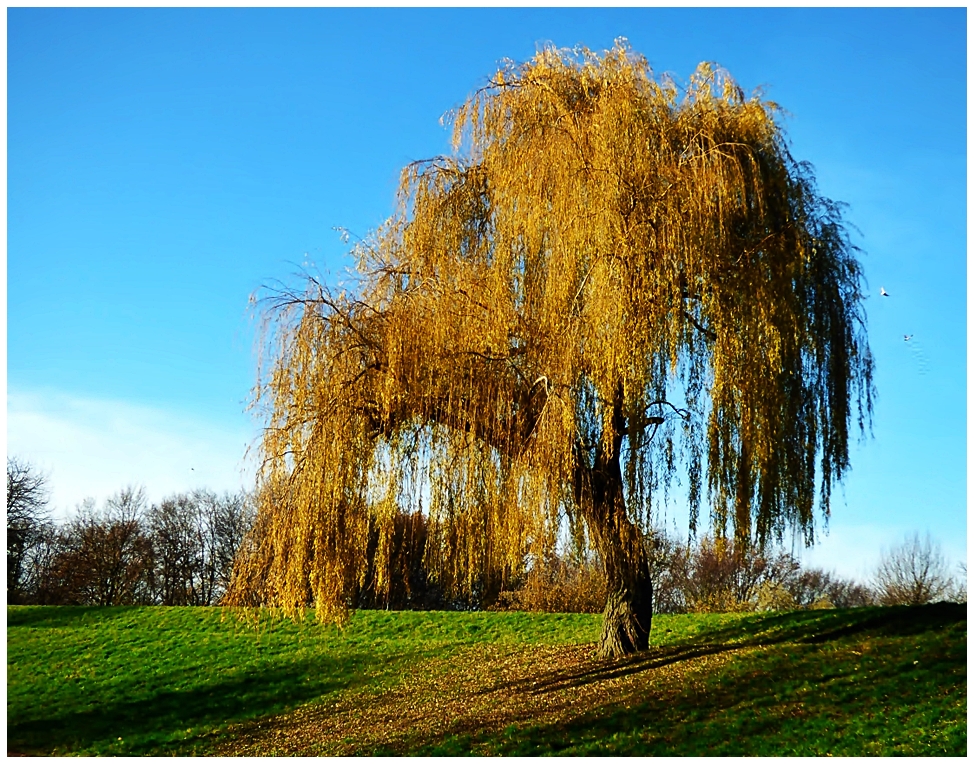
{"x":907,"y":697}
{"x":61,"y":616}
{"x":172,"y":713}
{"x":756,"y":709}
{"x":819,"y":626}
{"x":800,"y":627}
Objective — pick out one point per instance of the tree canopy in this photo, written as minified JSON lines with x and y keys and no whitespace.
{"x":612,"y":282}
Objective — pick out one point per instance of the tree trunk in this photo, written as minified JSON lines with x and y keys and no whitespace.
{"x":629,"y":608}
{"x":626,"y":621}
{"x":628,"y":615}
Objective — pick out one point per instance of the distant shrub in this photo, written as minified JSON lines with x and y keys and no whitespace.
{"x":914,"y":573}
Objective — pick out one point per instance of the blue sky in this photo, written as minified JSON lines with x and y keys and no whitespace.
{"x":163,"y":164}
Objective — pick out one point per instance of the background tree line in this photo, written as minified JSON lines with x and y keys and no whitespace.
{"x":181,"y":551}
{"x":124,"y":552}
{"x":704,"y":575}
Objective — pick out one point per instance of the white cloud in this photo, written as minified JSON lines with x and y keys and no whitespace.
{"x":93,"y":448}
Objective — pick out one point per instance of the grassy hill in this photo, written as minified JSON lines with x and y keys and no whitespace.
{"x":196,"y":681}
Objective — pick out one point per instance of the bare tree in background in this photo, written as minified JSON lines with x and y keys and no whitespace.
{"x":845,"y":593}
{"x":195,"y":538}
{"x":719,"y":576}
{"x":40,"y":584}
{"x":914,"y":573}
{"x":105,"y":555}
{"x":666,"y":555}
{"x":816,"y":588}
{"x":960,"y":590}
{"x":178,"y":538}
{"x":27,"y":511}
{"x":231,"y":518}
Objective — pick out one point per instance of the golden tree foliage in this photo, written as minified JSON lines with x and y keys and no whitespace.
{"x":613,"y":278}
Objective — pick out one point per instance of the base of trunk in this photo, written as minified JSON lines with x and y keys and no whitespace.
{"x":625,"y":625}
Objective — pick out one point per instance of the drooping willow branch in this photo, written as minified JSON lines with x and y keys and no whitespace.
{"x":608,"y":264}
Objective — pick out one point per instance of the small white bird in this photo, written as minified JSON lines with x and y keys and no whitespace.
{"x":883,"y":292}
{"x":907,"y":337}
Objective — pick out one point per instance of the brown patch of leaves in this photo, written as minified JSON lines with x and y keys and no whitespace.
{"x":477,"y":690}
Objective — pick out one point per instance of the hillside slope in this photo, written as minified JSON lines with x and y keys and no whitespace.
{"x":871,"y":681}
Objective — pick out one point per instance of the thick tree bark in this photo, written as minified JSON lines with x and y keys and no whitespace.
{"x":628,"y":613}
{"x":629,"y":608}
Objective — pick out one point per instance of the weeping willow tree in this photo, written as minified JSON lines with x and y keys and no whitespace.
{"x":613,"y":282}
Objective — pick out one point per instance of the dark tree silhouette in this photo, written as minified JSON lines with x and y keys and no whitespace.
{"x":27,"y":512}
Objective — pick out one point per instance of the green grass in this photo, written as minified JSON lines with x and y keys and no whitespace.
{"x":132,"y":680}
{"x":135,"y":681}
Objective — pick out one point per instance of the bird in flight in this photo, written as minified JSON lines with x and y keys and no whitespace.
{"x":907,"y":337}
{"x":883,"y":292}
